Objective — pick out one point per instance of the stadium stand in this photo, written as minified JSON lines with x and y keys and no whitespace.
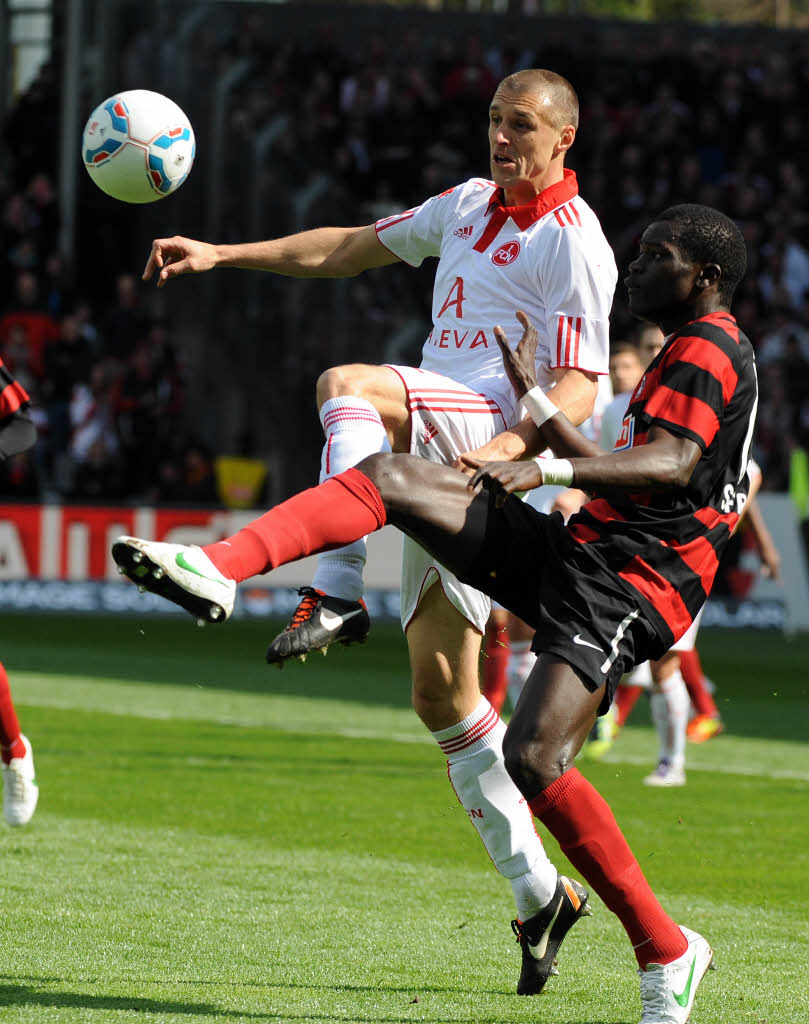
{"x":136,"y":396}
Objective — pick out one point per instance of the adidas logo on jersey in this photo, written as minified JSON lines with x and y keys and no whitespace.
{"x":464,"y":233}
{"x":430,"y":430}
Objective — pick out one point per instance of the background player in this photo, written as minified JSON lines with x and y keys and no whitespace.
{"x":20,"y":790}
{"x":618,"y":584}
{"x":525,"y":240}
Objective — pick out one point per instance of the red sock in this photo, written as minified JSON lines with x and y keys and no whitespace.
{"x":694,"y":677}
{"x":495,"y":663}
{"x":10,"y":743}
{"x":336,"y":512}
{"x":586,"y":829}
{"x":626,"y":697}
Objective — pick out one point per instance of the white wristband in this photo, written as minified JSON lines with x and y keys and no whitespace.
{"x":556,"y":471}
{"x":538,"y":406}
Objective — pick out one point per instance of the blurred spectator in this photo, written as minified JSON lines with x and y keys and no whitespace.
{"x":67,"y":364}
{"x":124,"y":322}
{"x":146,"y":404}
{"x":26,"y":312}
{"x":94,"y":440}
{"x":187,"y":477}
{"x":670,"y":115}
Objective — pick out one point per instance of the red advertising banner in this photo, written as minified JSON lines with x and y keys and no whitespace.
{"x":53,"y":542}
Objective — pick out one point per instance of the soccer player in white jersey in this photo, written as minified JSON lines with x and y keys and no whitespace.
{"x":524,"y":240}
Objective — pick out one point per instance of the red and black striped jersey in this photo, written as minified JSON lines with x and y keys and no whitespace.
{"x":13,"y":395}
{"x":666,"y":546}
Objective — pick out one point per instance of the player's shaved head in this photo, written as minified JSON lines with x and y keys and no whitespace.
{"x":560,"y":104}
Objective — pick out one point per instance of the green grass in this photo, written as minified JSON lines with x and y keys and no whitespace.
{"x":217,"y":841}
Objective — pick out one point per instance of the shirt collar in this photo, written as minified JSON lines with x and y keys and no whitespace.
{"x":549,"y":199}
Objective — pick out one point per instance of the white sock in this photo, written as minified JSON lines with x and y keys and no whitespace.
{"x":521,"y":659}
{"x":641,"y":675}
{"x":497,"y":809}
{"x":353,"y":429}
{"x":669,"y":707}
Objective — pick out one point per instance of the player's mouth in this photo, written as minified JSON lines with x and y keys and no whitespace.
{"x":500,"y":160}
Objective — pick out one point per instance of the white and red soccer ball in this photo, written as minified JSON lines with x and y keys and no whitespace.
{"x":138,"y":146}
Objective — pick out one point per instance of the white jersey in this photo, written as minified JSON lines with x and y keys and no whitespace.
{"x":591,"y":428}
{"x":612,"y":419}
{"x":549,"y":258}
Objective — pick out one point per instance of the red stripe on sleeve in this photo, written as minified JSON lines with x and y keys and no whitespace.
{"x":390,"y":221}
{"x":684,"y":411}
{"x":575,"y":212}
{"x":559,"y":220}
{"x":708,"y":357}
{"x":578,"y":339}
{"x":567,"y":339}
{"x":12,"y":397}
{"x":559,"y":340}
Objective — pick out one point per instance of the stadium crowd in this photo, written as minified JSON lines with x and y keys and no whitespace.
{"x":681,"y":116}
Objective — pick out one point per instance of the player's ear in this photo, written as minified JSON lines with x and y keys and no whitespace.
{"x":709,"y":275}
{"x":566,"y":138}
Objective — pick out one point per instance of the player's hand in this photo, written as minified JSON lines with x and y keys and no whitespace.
{"x":503,"y":478}
{"x":520,"y":362}
{"x":461,"y":465}
{"x":171,"y":257}
{"x":770,"y":562}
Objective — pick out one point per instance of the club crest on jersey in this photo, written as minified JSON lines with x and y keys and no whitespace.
{"x":627,"y":435}
{"x":464,"y":233}
{"x":506,"y":253}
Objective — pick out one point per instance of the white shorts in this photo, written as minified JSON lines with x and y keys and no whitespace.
{"x":447,"y":419}
{"x":688,"y":640}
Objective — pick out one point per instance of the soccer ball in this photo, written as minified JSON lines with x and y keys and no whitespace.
{"x":138,"y":146}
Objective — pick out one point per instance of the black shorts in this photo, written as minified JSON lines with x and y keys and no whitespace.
{"x":531,"y":565}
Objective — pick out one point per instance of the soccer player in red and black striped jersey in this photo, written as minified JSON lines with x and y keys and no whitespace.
{"x":20,"y":791}
{"x":614,"y":587}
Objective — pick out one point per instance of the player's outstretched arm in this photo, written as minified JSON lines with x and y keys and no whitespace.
{"x":664,"y":463}
{"x":323,"y":252}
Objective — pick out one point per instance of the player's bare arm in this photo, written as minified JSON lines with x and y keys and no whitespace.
{"x":767,"y":551}
{"x":664,"y":463}
{"x":322,"y":252}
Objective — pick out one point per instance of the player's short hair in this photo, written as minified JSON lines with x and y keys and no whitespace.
{"x":707,"y":236}
{"x":564,"y":103}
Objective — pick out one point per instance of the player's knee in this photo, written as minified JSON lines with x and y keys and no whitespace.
{"x":332,"y":383}
{"x":387,"y":473}
{"x":427,"y":703}
{"x":533,"y":762}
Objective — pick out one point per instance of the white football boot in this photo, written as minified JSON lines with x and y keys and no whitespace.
{"x":20,"y":789}
{"x":181,"y":573}
{"x":666,"y":775}
{"x":667,"y":990}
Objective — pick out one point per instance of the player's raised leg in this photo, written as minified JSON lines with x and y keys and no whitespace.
{"x":20,"y":789}
{"x":433,"y":503}
{"x":363,"y":411}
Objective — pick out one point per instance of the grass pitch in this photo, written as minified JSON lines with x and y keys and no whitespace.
{"x":218,"y":841}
